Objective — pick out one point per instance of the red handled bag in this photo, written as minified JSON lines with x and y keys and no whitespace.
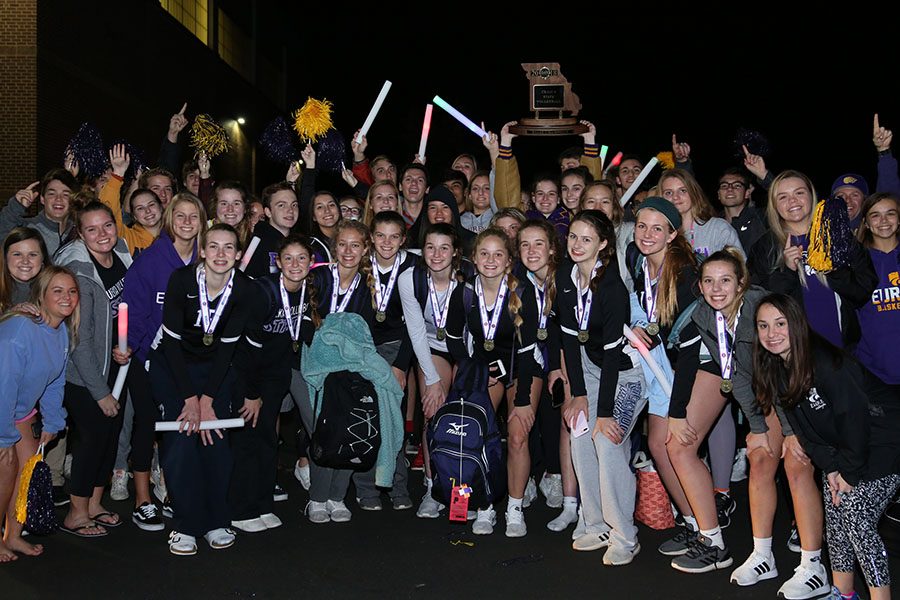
{"x":652,"y":506}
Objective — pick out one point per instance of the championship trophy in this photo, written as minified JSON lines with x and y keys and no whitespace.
{"x":554,"y":103}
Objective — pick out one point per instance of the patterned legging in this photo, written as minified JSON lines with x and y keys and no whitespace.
{"x":852,"y":529}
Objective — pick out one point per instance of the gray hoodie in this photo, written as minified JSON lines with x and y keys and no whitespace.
{"x":90,"y":360}
{"x":13,"y":215}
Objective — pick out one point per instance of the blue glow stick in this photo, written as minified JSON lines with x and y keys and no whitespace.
{"x":460,"y":117}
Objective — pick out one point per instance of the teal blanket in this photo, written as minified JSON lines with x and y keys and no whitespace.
{"x":344,"y":342}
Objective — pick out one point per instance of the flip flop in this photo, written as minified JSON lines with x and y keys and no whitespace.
{"x":104,"y":523}
{"x":77,"y":531}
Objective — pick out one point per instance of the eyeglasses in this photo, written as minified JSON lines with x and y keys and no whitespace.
{"x":347,"y":210}
{"x":732,"y":185}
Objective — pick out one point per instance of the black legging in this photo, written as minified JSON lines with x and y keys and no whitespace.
{"x":543,"y":440}
{"x":94,"y":454}
{"x":146,"y":414}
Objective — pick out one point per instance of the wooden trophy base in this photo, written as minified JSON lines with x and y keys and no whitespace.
{"x":548,"y":127}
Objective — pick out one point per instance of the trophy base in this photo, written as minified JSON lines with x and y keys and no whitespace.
{"x":548,"y":127}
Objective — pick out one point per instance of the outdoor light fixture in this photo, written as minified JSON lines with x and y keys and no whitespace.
{"x":241,"y":120}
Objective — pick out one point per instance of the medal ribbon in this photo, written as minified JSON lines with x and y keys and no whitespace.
{"x":382,"y":299}
{"x":583,"y":310}
{"x":209,"y":323}
{"x":725,"y":353}
{"x":286,"y":304}
{"x":539,"y":299}
{"x":335,"y":276}
{"x":440,"y":320}
{"x":489,"y":326}
{"x":649,"y":293}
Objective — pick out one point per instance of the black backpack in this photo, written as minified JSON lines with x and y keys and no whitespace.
{"x":347,"y":434}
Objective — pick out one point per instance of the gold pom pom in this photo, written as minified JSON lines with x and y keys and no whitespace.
{"x":666,"y":160}
{"x":313,"y":119}
{"x":208,"y":137}
{"x":819,"y":251}
{"x":24,"y":482}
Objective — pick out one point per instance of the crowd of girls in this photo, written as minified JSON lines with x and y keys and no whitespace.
{"x":545,"y":290}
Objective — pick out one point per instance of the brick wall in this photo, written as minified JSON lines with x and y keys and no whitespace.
{"x":18,"y":95}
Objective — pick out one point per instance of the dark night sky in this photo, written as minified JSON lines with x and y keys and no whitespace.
{"x":639,"y":78}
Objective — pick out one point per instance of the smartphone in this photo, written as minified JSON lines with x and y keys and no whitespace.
{"x":496,"y":369}
{"x":580,"y":426}
{"x":36,"y":428}
{"x":557,"y":394}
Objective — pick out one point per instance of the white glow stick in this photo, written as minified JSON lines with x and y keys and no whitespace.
{"x":651,"y":362}
{"x":204,"y":425}
{"x":120,"y":380}
{"x":603,"y":150}
{"x":426,"y":127}
{"x":638,"y":181}
{"x":372,"y":113}
{"x":460,"y":117}
{"x":251,"y":248}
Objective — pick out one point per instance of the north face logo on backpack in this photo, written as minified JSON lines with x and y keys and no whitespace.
{"x":366,"y":400}
{"x":457,"y":429}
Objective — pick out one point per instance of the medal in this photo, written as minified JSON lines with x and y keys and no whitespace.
{"x":296,"y":346}
{"x":383,"y":296}
{"x":489,"y":326}
{"x":541,"y":307}
{"x":210,"y":321}
{"x":583,"y":310}
{"x":293,"y":330}
{"x":650,"y":299}
{"x":725,"y":353}
{"x":336,"y":287}
{"x":439,"y":312}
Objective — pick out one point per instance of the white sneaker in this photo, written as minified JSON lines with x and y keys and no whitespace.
{"x":118,"y":488}
{"x":338,"y":511}
{"x":739,"y":468}
{"x":515,"y":522}
{"x":551,"y":487}
{"x":591,"y":541}
{"x":317,"y":512}
{"x":530,"y":493}
{"x":271,"y":520}
{"x":182,"y":544}
{"x":301,"y":474}
{"x":220,"y":538}
{"x":568,"y":516}
{"x":756,"y":568}
{"x":806,"y":583}
{"x":253,"y":525}
{"x":484,"y":522}
{"x":159,"y":483}
{"x":429,"y":508}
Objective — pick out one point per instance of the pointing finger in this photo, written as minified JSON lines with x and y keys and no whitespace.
{"x":31,"y":187}
{"x":746,"y":152}
{"x":875,"y":125}
{"x":183,"y":108}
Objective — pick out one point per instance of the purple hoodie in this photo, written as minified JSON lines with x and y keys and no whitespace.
{"x":145,"y":291}
{"x":879,"y":320}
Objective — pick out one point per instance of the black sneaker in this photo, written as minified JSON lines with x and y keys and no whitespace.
{"x":60,"y":497}
{"x":725,"y":505}
{"x":166,"y":507}
{"x":703,"y":557}
{"x":679,"y":544}
{"x":278,"y":494}
{"x":793,"y":542}
{"x":146,"y":516}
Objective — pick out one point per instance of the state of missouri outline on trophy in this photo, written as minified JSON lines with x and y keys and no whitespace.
{"x":554,"y":103}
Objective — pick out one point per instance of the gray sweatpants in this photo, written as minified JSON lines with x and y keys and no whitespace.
{"x":605,"y":482}
{"x":325,"y":483}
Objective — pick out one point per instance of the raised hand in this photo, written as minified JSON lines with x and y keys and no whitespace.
{"x":755,"y":164}
{"x":309,"y":156}
{"x":589,"y":136}
{"x":348,"y":177}
{"x":792,"y":254}
{"x":681,"y":150}
{"x":293,"y":172}
{"x":119,"y":159}
{"x":27,"y":196}
{"x":881,"y":137}
{"x":176,"y":124}
{"x":71,"y":164}
{"x":506,"y":137}
{"x":492,"y":143}
{"x":203,"y":165}
{"x":359,"y":149}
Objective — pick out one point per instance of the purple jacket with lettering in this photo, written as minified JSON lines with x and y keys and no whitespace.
{"x":145,"y":291}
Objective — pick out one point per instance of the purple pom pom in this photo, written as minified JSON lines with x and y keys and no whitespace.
{"x":755,"y":141}
{"x":277,"y":142}
{"x":87,"y":147}
{"x":332,"y":151}
{"x":835,"y":214}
